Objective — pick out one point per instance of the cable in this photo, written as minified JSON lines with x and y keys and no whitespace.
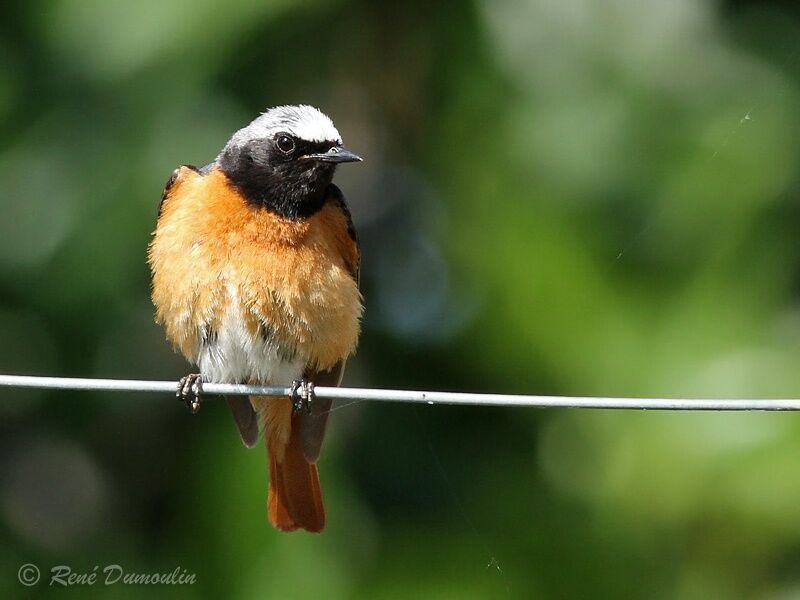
{"x":420,"y":397}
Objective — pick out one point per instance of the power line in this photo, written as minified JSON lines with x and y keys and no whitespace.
{"x":419,"y":397}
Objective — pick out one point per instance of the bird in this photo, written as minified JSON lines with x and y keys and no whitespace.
{"x":255,"y":278}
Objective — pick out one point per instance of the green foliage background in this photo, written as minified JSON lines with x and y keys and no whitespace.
{"x":573,"y":197}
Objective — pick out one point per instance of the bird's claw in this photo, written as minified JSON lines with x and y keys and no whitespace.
{"x":302,"y":395}
{"x":190,"y":388}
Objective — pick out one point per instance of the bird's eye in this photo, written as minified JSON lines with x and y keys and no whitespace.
{"x":285,"y":143}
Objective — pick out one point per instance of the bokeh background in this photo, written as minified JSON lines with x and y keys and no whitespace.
{"x":562,"y":196}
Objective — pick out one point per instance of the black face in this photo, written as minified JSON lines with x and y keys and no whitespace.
{"x":278,"y":173}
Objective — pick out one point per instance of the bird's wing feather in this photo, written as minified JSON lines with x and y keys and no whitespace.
{"x":243,"y":413}
{"x":168,"y":188}
{"x":313,"y":425}
{"x":245,"y":417}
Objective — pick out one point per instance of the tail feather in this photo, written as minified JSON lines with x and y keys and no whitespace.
{"x":295,"y":497}
{"x":297,"y":493}
{"x":276,"y":500}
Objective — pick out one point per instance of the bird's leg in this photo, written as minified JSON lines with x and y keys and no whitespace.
{"x":302,"y":395}
{"x":190,"y":388}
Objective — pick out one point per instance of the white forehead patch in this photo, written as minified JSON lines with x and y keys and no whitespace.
{"x":303,"y":122}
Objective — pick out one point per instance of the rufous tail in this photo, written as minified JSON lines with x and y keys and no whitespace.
{"x":295,"y":497}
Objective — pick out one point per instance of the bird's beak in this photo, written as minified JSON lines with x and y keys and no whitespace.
{"x":337,"y":154}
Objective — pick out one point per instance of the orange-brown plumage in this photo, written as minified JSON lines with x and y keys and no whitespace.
{"x":296,"y":275}
{"x":294,"y":498}
{"x":253,"y":293}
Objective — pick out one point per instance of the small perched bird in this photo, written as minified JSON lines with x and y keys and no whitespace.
{"x":255,"y":267}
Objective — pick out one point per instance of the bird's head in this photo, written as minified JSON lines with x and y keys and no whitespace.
{"x":285,"y":159}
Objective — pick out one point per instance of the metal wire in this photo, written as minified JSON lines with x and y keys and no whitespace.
{"x":420,"y":397}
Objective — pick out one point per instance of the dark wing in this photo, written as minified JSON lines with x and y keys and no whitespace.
{"x":242,"y":410}
{"x":335,"y":195}
{"x":245,"y":417}
{"x":312,"y":426}
{"x":171,"y":183}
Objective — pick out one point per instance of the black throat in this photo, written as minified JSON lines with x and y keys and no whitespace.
{"x":294,"y":189}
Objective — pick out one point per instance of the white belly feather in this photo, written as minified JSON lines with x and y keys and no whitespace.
{"x":233,"y":354}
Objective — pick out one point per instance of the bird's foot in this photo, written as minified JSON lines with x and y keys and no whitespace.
{"x":302,"y":395}
{"x":190,"y":388}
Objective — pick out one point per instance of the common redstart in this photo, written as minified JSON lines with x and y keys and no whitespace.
{"x":255,"y":267}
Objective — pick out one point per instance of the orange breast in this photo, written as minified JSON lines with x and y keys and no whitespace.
{"x":291,"y":280}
